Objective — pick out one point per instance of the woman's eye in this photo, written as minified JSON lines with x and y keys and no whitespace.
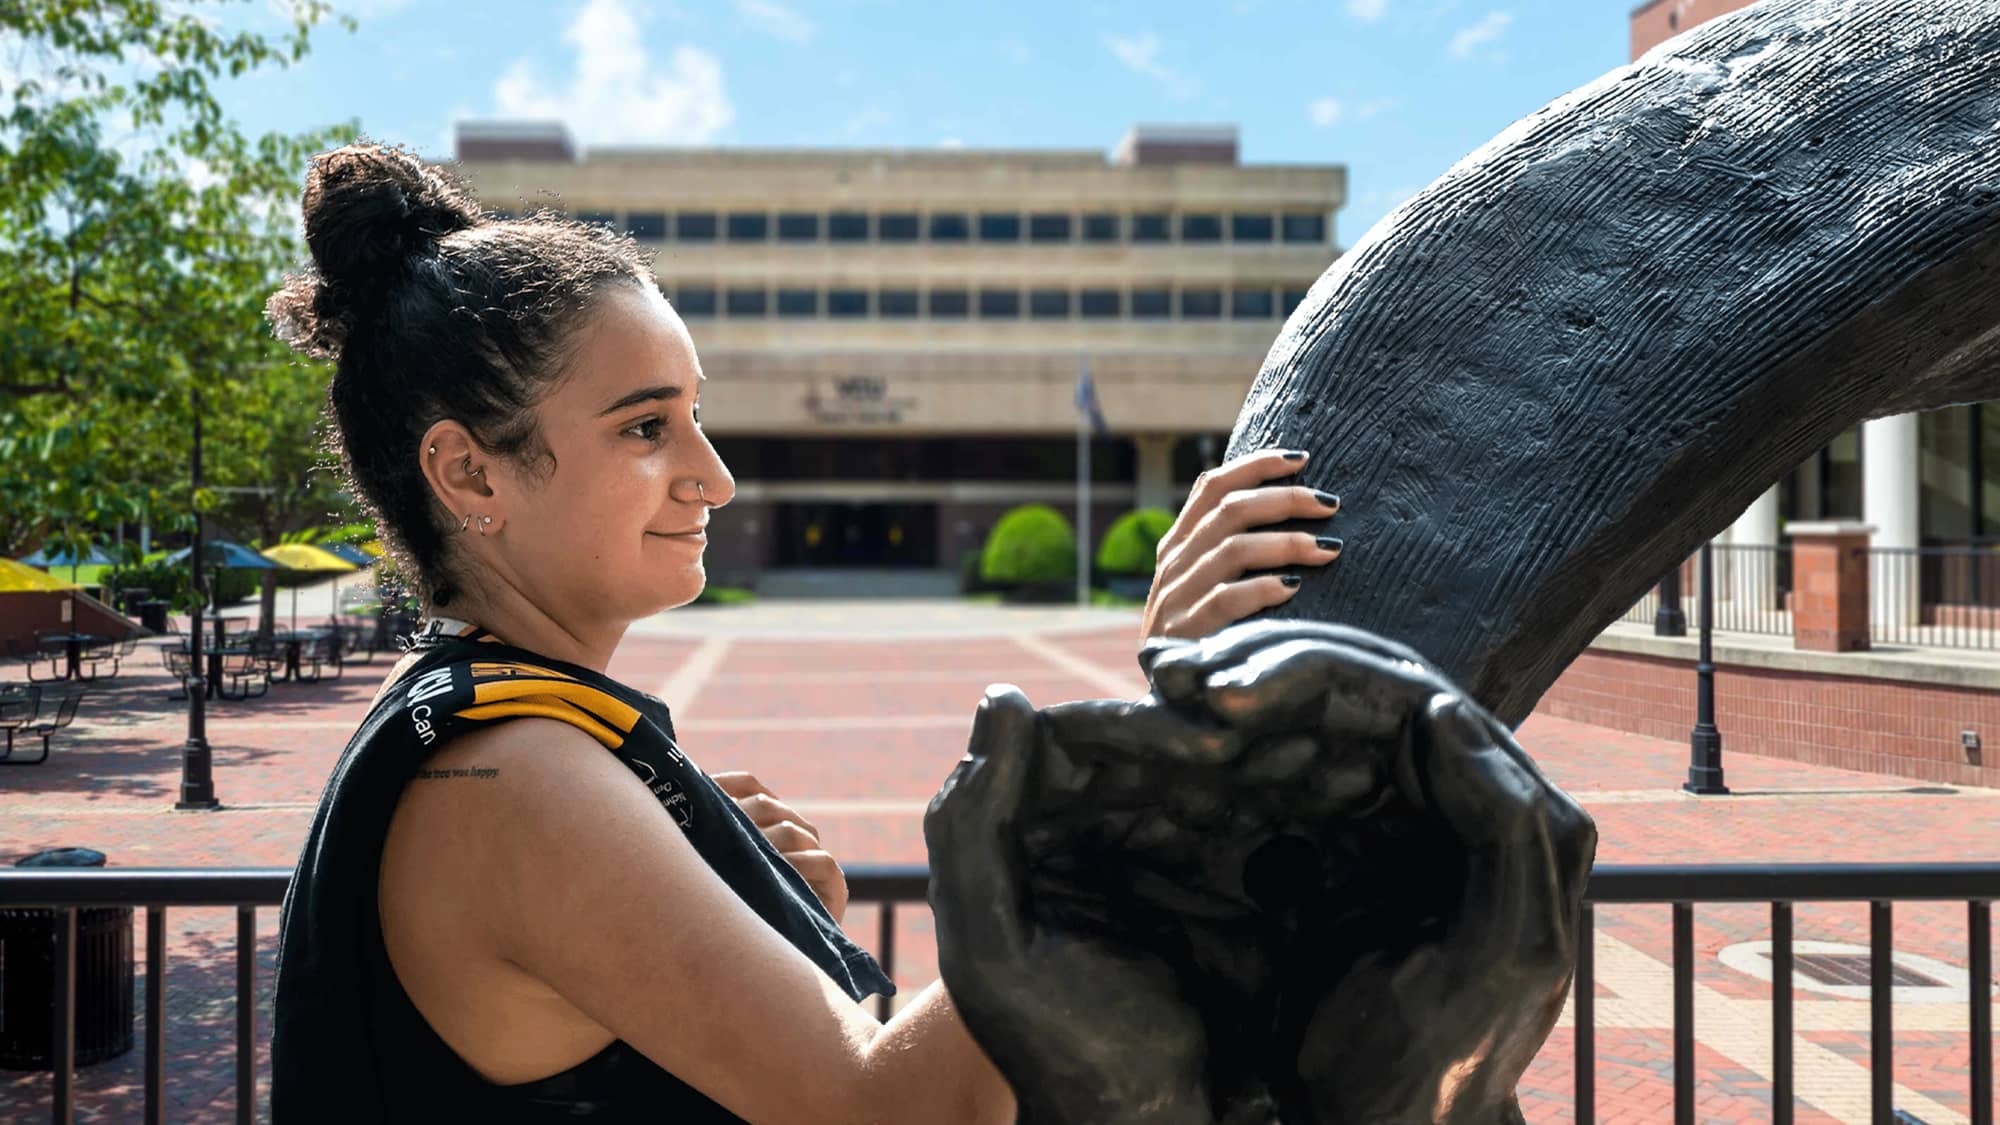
{"x":648,"y":428}
{"x":697,"y":414}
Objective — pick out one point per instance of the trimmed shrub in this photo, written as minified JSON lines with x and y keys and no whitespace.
{"x":1130,"y":543}
{"x":1032,"y":544}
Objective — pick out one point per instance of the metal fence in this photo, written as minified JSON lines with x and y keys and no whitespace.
{"x":1780,"y":886}
{"x":1943,"y":597}
{"x":1752,"y":585}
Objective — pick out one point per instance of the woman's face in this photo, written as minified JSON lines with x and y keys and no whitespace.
{"x":594,"y":540}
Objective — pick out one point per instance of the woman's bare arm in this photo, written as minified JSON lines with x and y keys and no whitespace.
{"x":587,"y":884}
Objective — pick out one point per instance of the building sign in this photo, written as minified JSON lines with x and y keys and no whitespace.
{"x":857,"y":398}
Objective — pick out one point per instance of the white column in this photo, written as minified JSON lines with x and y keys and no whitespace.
{"x":1889,"y":502}
{"x":1156,"y":471}
{"x":1751,"y":578}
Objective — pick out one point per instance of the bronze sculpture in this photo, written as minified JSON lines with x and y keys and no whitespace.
{"x":1309,"y":876}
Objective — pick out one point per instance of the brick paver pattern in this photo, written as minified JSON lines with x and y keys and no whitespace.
{"x":858,"y":734}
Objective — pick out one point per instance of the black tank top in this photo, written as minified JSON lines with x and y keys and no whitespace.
{"x":347,"y":1043}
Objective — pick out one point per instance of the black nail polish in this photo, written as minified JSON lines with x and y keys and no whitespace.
{"x":1327,"y":498}
{"x":1327,"y":542}
{"x":1295,"y":455}
{"x":1290,"y":579}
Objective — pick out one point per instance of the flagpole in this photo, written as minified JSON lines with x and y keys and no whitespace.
{"x":1082,"y":510}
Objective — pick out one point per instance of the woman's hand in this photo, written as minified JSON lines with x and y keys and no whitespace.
{"x":795,"y":837}
{"x":1198,"y":583}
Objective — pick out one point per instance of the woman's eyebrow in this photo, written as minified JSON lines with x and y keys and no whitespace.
{"x":643,"y":394}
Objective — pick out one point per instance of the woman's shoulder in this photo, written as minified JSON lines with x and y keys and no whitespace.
{"x":443,"y":691}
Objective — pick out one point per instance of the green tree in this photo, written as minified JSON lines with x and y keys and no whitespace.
{"x":140,"y":231}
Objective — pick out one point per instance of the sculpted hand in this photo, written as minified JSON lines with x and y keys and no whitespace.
{"x":795,"y":837}
{"x":1087,"y":1026}
{"x":1198,"y":573}
{"x":1395,"y":1021}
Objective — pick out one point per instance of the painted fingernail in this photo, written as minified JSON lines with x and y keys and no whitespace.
{"x":1290,"y":579}
{"x":1327,"y":498}
{"x":1327,"y":542}
{"x":1295,"y":455}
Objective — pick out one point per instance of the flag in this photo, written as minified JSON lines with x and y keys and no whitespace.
{"x":1086,"y":400}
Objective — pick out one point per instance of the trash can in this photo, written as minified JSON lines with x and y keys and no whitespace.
{"x":153,"y":615}
{"x":104,"y":983}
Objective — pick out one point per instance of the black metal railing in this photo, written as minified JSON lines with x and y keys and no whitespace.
{"x":1751,"y":583}
{"x":1681,"y":887}
{"x":1943,"y":597}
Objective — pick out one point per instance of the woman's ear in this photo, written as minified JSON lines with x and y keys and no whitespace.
{"x":456,"y":468}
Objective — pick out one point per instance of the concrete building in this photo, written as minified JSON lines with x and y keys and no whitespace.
{"x":1929,"y":479}
{"x":893,"y":337}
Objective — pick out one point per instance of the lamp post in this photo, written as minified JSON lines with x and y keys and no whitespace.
{"x":1668,"y":620}
{"x":197,"y":783}
{"x":1705,"y":757}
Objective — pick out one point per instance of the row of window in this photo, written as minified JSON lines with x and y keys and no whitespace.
{"x":1149,"y":303}
{"x":1043,"y":228}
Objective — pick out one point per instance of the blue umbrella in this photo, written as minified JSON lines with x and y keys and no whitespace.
{"x":347,"y":553}
{"x":222,"y":552}
{"x":56,"y":556}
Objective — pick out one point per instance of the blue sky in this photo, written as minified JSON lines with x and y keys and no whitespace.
{"x":1396,"y":90}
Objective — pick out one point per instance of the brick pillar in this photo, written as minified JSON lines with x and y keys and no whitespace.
{"x":1830,"y":585}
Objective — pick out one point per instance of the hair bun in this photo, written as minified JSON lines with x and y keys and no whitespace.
{"x":368,"y":208}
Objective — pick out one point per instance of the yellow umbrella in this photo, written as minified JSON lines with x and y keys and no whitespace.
{"x":305,"y":557}
{"x":374,"y":547}
{"x":18,"y":578}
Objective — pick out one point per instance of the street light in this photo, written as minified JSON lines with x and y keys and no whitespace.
{"x":1705,"y":757}
{"x":197,"y":781}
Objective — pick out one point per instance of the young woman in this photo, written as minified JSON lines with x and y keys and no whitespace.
{"x":519,"y":900}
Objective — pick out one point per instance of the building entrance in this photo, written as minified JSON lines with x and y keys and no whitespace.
{"x":849,"y":533}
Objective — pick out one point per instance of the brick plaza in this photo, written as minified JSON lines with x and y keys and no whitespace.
{"x":854,"y":713}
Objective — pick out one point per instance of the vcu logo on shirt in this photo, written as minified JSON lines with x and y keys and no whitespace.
{"x":669,"y":795}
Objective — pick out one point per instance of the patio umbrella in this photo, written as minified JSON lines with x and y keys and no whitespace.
{"x":220,"y":553}
{"x":352,"y":554}
{"x":307,"y":558}
{"x":57,"y":556}
{"x":17,"y":578}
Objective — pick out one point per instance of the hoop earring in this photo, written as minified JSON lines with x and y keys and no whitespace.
{"x":462,"y":523}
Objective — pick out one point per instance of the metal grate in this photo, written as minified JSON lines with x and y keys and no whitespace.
{"x":1851,"y":969}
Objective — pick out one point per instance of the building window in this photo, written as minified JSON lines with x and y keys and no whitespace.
{"x":1154,"y":226}
{"x":647,"y":226}
{"x":1098,"y":304}
{"x":1048,"y":304}
{"x":1201,"y":228}
{"x":599,"y":218}
{"x":896,"y":304}
{"x":847,"y":303}
{"x":746,"y":302}
{"x":847,"y":226}
{"x":950,"y":227}
{"x":695,"y":301}
{"x":1305,"y":228}
{"x":1100,"y":228}
{"x":1250,"y":228}
{"x":798,"y":226}
{"x":999,"y":304}
{"x":999,"y":228}
{"x":1251,"y":304}
{"x":695,"y":226}
{"x":798,"y":302}
{"x":749,"y":226}
{"x":1048,"y":228}
{"x":1152,"y":304}
{"x":1293,"y":299}
{"x":1201,"y":304}
{"x":900,"y":227}
{"x":950,"y":304}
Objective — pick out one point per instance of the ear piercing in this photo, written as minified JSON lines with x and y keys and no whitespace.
{"x":462,"y":523}
{"x":432,"y":450}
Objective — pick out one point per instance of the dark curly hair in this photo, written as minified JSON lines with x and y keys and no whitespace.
{"x":433,"y":309}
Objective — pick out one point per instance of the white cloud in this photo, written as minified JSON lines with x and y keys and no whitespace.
{"x":1368,"y":11}
{"x":1487,"y":30}
{"x":776,"y":20}
{"x":1141,"y":55}
{"x":1324,"y":111}
{"x":951,"y":142}
{"x":617,"y":93}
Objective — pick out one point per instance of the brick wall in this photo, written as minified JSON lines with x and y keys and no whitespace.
{"x":1891,"y":727}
